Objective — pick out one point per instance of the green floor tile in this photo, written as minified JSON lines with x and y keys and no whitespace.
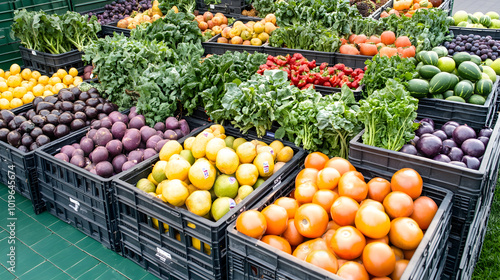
{"x":95,"y":272}
{"x":149,"y":276}
{"x":83,"y":266}
{"x":128,"y":268}
{"x":67,"y":231}
{"x":3,"y":234}
{"x":32,"y":235}
{"x":68,"y":257}
{"x":45,"y":218}
{"x":26,"y":206}
{"x":111,"y":274}
{"x":50,"y":245}
{"x":5,"y":274}
{"x":100,"y":252}
{"x":22,"y":221}
{"x":45,"y":270}
{"x":26,"y":259}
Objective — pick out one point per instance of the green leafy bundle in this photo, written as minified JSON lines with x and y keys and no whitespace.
{"x":427,"y":28}
{"x":388,"y":116}
{"x":53,"y":33}
{"x":173,"y":29}
{"x":381,"y":69}
{"x":305,"y":37}
{"x":118,"y":60}
{"x":186,"y":6}
{"x":264,"y":7}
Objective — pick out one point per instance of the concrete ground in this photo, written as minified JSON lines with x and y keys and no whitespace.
{"x":472,"y":6}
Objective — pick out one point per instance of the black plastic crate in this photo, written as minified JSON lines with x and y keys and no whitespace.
{"x":250,"y":258}
{"x":330,"y":90}
{"x":135,"y":210}
{"x":471,"y":114}
{"x":61,"y":182}
{"x":468,"y":185}
{"x":354,"y":61}
{"x":320,"y":57}
{"x":85,"y":5}
{"x":47,"y":63}
{"x":212,"y":47}
{"x":111,"y":28}
{"x":494,"y":33}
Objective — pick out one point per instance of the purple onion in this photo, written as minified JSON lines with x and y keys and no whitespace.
{"x":455,"y":154}
{"x":442,"y":158}
{"x":471,"y":162}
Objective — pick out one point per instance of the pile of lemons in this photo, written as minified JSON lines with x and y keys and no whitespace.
{"x":21,"y":87}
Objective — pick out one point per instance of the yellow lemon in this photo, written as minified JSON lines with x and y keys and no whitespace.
{"x":68,"y":80}
{"x":227,"y":161}
{"x":19,"y":92}
{"x":15,"y":102}
{"x":77,"y":81}
{"x":44,"y":80}
{"x":285,"y":155}
{"x":170,"y":148}
{"x":213,"y":147}
{"x":158,"y":171}
{"x":15,"y":69}
{"x":61,"y":73}
{"x":246,"y":152}
{"x":6,"y":75}
{"x":54,"y":80}
{"x":3,"y":86}
{"x":47,"y":93}
{"x":200,"y":143}
{"x":177,"y":168}
{"x":265,"y":164}
{"x":247,"y":174}
{"x":73,"y":72}
{"x":199,"y":202}
{"x":175,"y":192}
{"x":156,"y":225}
{"x":35,"y":75}
{"x":202,"y":174}
{"x":26,"y":74}
{"x":28,"y":97}
{"x":7,"y":95}
{"x":14,"y":81}
{"x":1,"y":73}
{"x":4,"y":104}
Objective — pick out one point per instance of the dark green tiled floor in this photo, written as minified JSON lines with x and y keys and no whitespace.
{"x":48,"y":248}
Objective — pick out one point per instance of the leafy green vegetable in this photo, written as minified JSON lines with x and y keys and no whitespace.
{"x":381,"y":69}
{"x":388,"y":116}
{"x":186,"y":6}
{"x":53,"y":33}
{"x":305,"y":37}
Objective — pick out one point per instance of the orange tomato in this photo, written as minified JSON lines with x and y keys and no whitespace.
{"x":292,"y":235}
{"x":361,"y":38}
{"x":388,"y":51}
{"x":325,"y":199}
{"x":328,"y":178}
{"x":304,"y":193}
{"x":307,"y":247}
{"x":323,"y":259}
{"x":384,"y":239}
{"x":352,"y":184}
{"x":424,"y":209}
{"x":388,"y":37}
{"x":399,"y":269}
{"x":372,"y":222}
{"x":368,"y":48}
{"x":311,"y":220}
{"x":328,"y":237}
{"x":277,"y":242}
{"x":373,"y":203}
{"x":332,"y":225}
{"x":276,"y":218}
{"x":348,"y":242}
{"x":408,"y":181}
{"x":405,"y":233}
{"x":343,"y":211}
{"x":403,"y":42}
{"x":398,"y":204}
{"x":306,"y":175}
{"x":251,"y":223}
{"x":378,"y":189}
{"x":353,"y":271}
{"x":378,"y":259}
{"x":316,"y":160}
{"x":398,"y":253}
{"x":291,"y":205}
{"x":341,"y":164}
{"x":408,"y":254}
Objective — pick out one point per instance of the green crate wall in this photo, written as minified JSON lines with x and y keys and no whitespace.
{"x":88,"y":5}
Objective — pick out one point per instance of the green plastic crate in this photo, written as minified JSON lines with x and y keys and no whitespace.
{"x":6,"y":13}
{"x":51,"y":7}
{"x":81,"y":6}
{"x":9,"y":55}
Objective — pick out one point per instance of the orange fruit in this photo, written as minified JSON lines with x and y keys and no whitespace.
{"x":304,"y":193}
{"x":323,"y":259}
{"x":378,"y":259}
{"x":292,"y":235}
{"x":343,"y":211}
{"x":277,"y":242}
{"x":398,"y":253}
{"x":398,"y":204}
{"x":328,"y":237}
{"x":352,"y":185}
{"x":384,"y":239}
{"x":311,"y":220}
{"x":408,"y":254}
{"x":348,"y":242}
{"x":373,"y":203}
{"x":372,"y":222}
{"x":405,"y":233}
{"x":276,"y":218}
{"x":328,"y":178}
{"x":316,"y":160}
{"x":341,"y":164}
{"x":353,"y":271}
{"x":325,"y":199}
{"x":378,"y":189}
{"x":307,"y":247}
{"x":424,"y":210}
{"x":291,"y":205}
{"x":407,"y":180}
{"x":399,"y":269}
{"x":306,"y":175}
{"x":251,"y":223}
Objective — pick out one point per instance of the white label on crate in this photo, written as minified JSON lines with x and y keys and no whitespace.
{"x":212,"y":6}
{"x":162,"y":255}
{"x":33,"y":52}
{"x":270,"y":134}
{"x":76,"y":205}
{"x":205,"y":172}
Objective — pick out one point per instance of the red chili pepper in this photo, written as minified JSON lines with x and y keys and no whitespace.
{"x":301,"y":83}
{"x":316,"y":82}
{"x":303,"y":68}
{"x":312,"y":64}
{"x":281,"y":62}
{"x":295,"y":80}
{"x":298,"y":56}
{"x":260,"y":71}
{"x":293,"y":61}
{"x":355,"y":84}
{"x":340,"y":66}
{"x":311,"y":78}
{"x":327,"y":84}
{"x":331,"y":70}
{"x":341,"y":74}
{"x":348,"y":70}
{"x":323,"y":65}
{"x":307,"y":86}
{"x":269,"y":63}
{"x":334,"y":81}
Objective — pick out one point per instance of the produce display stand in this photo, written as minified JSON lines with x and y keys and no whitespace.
{"x":471,"y":114}
{"x":161,"y":252}
{"x":471,"y":188}
{"x":78,"y":197}
{"x":250,"y":258}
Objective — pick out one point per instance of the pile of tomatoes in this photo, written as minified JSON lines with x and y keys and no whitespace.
{"x":335,"y":220}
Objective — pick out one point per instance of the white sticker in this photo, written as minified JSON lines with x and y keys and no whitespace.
{"x":232,"y":204}
{"x":272,"y":151}
{"x":76,"y":205}
{"x":91,"y":75}
{"x":212,"y":6}
{"x":270,"y":134}
{"x":33,"y":52}
{"x":266,"y":166}
{"x":232,"y":180}
{"x":162,"y":255}
{"x":205,"y":134}
{"x":205,"y":172}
